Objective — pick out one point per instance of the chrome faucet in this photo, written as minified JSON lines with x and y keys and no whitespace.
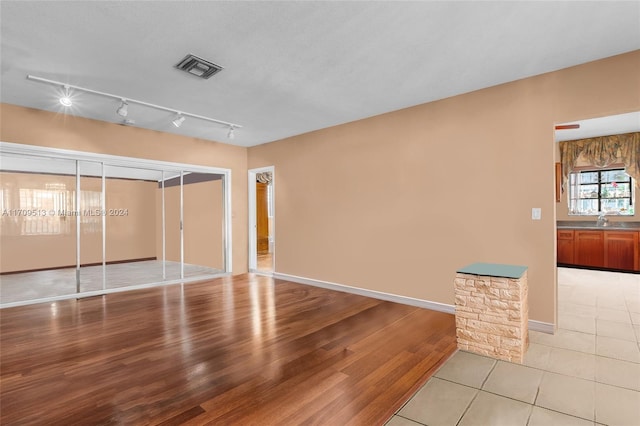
{"x":602,"y":219}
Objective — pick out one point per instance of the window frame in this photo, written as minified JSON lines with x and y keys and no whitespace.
{"x":573,"y":196}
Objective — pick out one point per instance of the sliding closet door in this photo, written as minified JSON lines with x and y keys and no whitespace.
{"x":84,"y":225}
{"x":172,"y":225}
{"x":131,"y":230}
{"x":203,"y":224}
{"x":90,"y":225}
{"x":38,"y":227}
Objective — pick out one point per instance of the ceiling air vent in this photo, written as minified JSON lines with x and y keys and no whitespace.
{"x":198,"y":66}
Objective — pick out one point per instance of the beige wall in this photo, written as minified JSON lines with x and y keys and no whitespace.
{"x":397,"y":202}
{"x":42,"y":128}
{"x":203,"y":223}
{"x":128,"y":237}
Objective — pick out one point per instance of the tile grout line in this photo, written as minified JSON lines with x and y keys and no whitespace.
{"x":468,"y":406}
{"x":594,"y":380}
{"x":588,"y":353}
{"x":596,"y":354}
{"x":495,"y":364}
{"x":407,"y":418}
{"x":516,"y":400}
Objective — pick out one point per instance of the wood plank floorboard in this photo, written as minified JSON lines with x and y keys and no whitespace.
{"x":246,"y":350}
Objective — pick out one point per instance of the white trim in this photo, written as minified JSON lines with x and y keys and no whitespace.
{"x":164,"y":236}
{"x":543,"y":327}
{"x":228,"y":223}
{"x":109,"y":160}
{"x":427,"y":304}
{"x":534,"y":325}
{"x":252,"y":234}
{"x":78,"y":247}
{"x":263,"y":274}
{"x":181,"y":224}
{"x":103,"y":206}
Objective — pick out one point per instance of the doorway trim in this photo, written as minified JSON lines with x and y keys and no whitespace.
{"x":253,"y":233}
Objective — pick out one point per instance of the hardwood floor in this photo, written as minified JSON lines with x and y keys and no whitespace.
{"x":265,"y":262}
{"x":236,"y":350}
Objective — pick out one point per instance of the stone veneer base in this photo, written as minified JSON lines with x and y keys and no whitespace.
{"x":492,"y":315}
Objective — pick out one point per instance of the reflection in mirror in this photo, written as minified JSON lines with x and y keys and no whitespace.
{"x":37,"y":228}
{"x":85,"y":227}
{"x":131,"y":232}
{"x":203,"y":224}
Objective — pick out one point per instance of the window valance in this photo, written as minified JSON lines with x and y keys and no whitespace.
{"x":265,"y":177}
{"x":603,"y":151}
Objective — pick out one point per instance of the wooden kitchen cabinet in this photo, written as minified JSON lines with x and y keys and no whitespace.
{"x":589,"y":248}
{"x":621,"y":250}
{"x":610,"y":249}
{"x":566,"y":246}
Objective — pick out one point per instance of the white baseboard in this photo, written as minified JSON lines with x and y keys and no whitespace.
{"x":434,"y":306}
{"x":543,"y":327}
{"x":261,"y":273}
{"x":420,"y":303}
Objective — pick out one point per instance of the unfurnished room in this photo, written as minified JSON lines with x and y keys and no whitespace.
{"x":289,"y":212}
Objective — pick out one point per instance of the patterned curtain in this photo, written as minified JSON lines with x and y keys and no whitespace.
{"x":265,"y":177}
{"x":602,"y":152}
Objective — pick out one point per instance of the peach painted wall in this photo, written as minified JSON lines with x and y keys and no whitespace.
{"x":36,"y":127}
{"x":397,"y":202}
{"x":130,"y":236}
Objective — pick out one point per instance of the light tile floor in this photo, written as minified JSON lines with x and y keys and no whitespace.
{"x":587,"y":373}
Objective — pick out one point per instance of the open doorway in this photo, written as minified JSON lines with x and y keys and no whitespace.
{"x":596,"y":219}
{"x":597,"y":224}
{"x":262,"y":220}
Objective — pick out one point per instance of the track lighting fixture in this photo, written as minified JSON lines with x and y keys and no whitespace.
{"x":178,"y":120}
{"x":123,"y":108}
{"x":65,"y":99}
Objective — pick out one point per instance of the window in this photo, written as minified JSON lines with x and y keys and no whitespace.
{"x":610,"y":191}
{"x":41,"y":211}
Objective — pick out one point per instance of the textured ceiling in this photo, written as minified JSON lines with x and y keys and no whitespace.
{"x":293,"y":67}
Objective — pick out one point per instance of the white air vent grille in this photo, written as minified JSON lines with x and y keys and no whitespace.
{"x":198,"y":66}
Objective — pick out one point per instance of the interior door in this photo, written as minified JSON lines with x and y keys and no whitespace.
{"x":262,"y":218}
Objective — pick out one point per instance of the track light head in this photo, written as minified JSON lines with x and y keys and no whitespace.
{"x":123,"y":109}
{"x":178,"y":120}
{"x":230,"y":134}
{"x":65,"y":99}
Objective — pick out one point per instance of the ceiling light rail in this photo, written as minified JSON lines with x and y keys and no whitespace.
{"x":122,"y":109}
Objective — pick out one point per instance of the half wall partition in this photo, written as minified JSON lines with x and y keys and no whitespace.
{"x":77,"y":224}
